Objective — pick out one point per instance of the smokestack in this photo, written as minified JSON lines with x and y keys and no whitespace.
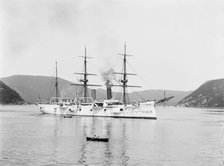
{"x":108,"y":76}
{"x":93,"y":94}
{"x":109,"y":91}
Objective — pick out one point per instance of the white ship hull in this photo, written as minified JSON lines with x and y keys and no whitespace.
{"x":127,"y":113}
{"x":55,"y":109}
{"x":141,"y":111}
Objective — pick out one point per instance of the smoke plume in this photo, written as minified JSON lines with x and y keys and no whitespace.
{"x":108,"y":76}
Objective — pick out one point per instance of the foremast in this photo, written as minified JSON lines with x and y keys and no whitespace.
{"x":84,"y":80}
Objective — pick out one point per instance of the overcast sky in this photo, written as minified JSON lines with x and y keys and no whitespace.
{"x":177,"y":44}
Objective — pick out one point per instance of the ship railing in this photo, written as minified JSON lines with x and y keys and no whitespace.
{"x":42,"y":101}
{"x":63,"y":100}
{"x":145,"y":101}
{"x":85,"y":100}
{"x":140,"y":102}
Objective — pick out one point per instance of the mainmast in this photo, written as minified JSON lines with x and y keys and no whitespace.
{"x":84,"y":81}
{"x":85,"y":76}
{"x":56,"y":82}
{"x":124,"y":81}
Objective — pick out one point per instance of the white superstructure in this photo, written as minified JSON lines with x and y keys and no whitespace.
{"x":115,"y":109}
{"x":58,"y":106}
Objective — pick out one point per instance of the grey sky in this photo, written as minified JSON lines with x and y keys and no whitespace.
{"x":177,"y":44}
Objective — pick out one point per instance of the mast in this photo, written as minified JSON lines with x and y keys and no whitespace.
{"x":39,"y":98}
{"x":56,"y":82}
{"x":84,"y":81}
{"x":124,"y":81}
{"x":124,"y":74}
{"x":85,"y":76}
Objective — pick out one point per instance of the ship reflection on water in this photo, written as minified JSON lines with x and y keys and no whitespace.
{"x":180,"y":136}
{"x":104,"y":149}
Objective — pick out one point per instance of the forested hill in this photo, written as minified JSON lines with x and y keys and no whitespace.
{"x":209,"y":94}
{"x":9,"y":96}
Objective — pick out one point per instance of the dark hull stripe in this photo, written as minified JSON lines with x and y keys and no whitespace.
{"x":130,"y":117}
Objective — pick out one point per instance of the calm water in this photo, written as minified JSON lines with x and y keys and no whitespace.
{"x":180,"y":136}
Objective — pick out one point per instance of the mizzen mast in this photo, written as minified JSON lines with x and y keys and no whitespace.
{"x":56,"y":82}
{"x":124,"y":79}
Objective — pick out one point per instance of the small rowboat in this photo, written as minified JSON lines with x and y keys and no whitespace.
{"x":97,"y":139}
{"x":67,"y":116}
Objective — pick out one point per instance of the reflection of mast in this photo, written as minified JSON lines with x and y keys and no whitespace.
{"x":107,"y":152}
{"x":83,"y":157}
{"x":124,"y":158}
{"x":55,"y":142}
{"x":84,"y":81}
{"x":124,"y":74}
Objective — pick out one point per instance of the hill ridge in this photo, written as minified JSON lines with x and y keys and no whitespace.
{"x":31,"y":87}
{"x":209,"y":94}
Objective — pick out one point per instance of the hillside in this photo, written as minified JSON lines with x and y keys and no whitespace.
{"x":150,"y":95}
{"x":159,"y":94}
{"x":209,"y":94}
{"x":9,"y":96}
{"x":32,"y":87}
